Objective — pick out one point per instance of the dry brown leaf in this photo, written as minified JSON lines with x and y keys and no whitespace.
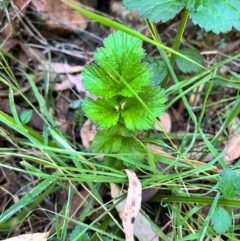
{"x":142,"y":227}
{"x":21,"y":4}
{"x":132,"y":205}
{"x":232,"y":149}
{"x":60,"y":17}
{"x":60,"y":68}
{"x":9,"y":44}
{"x":87,"y":133}
{"x":30,"y":237}
{"x":70,"y":82}
{"x":165,"y":121}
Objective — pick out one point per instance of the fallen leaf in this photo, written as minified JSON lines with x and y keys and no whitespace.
{"x":30,"y":237}
{"x":9,"y":44}
{"x":129,"y":211}
{"x":87,"y":134}
{"x":232,"y":149}
{"x":71,"y":81}
{"x":165,"y":121}
{"x":60,"y":68}
{"x":132,"y":205}
{"x":22,"y":4}
{"x":59,"y":17}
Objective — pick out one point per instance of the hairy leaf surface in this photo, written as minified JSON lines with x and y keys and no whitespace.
{"x":221,"y":220}
{"x":186,"y":66}
{"x":136,"y":117}
{"x":118,"y":60}
{"x":212,"y":15}
{"x":107,"y":142}
{"x":229,"y":184}
{"x":156,"y":10}
{"x":98,"y":82}
{"x":102,"y":111}
{"x":218,"y":16}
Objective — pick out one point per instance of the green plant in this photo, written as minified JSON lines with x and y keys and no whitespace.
{"x":126,"y":103}
{"x":124,"y":138}
{"x":218,"y":16}
{"x":229,"y":186}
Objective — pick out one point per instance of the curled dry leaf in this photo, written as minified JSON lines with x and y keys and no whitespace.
{"x":165,"y":121}
{"x":30,"y":237}
{"x":71,"y":81}
{"x":129,"y":211}
{"x":87,"y":134}
{"x":132,"y":205}
{"x":232,"y":149}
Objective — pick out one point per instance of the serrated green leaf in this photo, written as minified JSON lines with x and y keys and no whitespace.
{"x":135,"y":116}
{"x":102,"y":111}
{"x":229,"y":184}
{"x":187,"y":67}
{"x":98,"y":82}
{"x":138,"y":76}
{"x":159,"y":70}
{"x":120,"y":129}
{"x":120,"y":51}
{"x":118,"y":60}
{"x":221,"y":220}
{"x":107,"y":142}
{"x":26,"y":116}
{"x":217,"y":16}
{"x":131,"y":145}
{"x":156,"y":10}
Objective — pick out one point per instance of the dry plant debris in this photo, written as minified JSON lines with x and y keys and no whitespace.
{"x":142,"y":228}
{"x":59,"y":17}
{"x":165,"y":121}
{"x":30,"y":237}
{"x":232,"y":149}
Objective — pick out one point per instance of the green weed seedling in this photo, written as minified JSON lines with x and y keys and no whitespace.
{"x":126,"y":103}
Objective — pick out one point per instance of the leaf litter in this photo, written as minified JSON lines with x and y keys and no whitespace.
{"x":134,"y":222}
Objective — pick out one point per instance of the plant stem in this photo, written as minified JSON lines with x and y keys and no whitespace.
{"x":177,"y":42}
{"x":180,"y":31}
